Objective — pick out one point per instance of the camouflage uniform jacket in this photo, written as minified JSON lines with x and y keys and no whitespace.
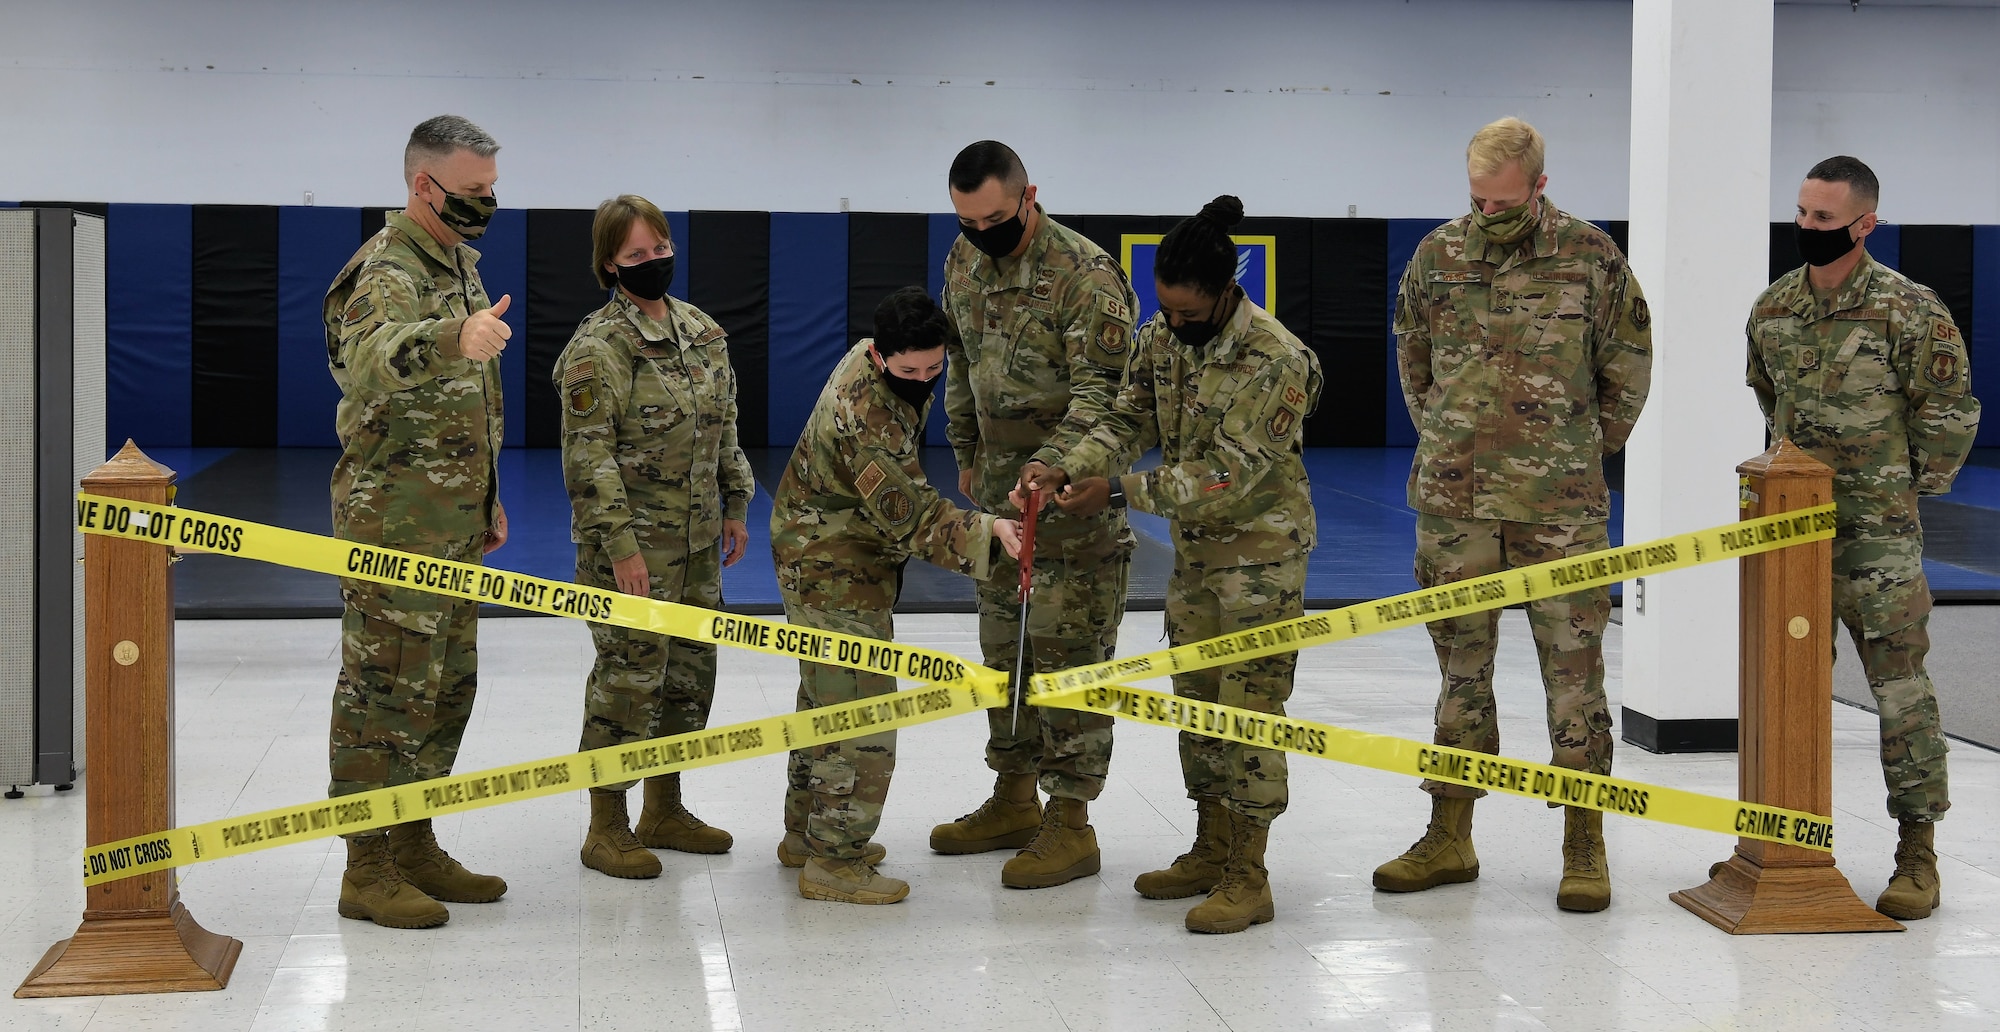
{"x":649,"y":431}
{"x":419,"y":424}
{"x":1875,"y":381}
{"x":1523,"y":366}
{"x":854,"y":503}
{"x":1032,"y":339}
{"x":1227,"y":422}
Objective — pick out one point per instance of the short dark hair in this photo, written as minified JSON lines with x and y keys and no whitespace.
{"x":1197,"y":252}
{"x":440,"y":137}
{"x":1854,"y":172}
{"x":987,"y":159}
{"x":908,"y":320}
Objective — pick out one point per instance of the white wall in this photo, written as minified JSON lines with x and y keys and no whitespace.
{"x":1303,"y":107}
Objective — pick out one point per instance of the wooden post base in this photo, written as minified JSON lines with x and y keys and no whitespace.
{"x":145,"y":953}
{"x":1743,"y":897}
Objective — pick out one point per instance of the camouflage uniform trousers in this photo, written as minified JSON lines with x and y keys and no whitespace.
{"x":403,"y":698}
{"x":1569,"y":640}
{"x":1075,"y":603}
{"x":1913,"y":741}
{"x":1202,"y":604}
{"x":846,"y":782}
{"x":645,"y":685}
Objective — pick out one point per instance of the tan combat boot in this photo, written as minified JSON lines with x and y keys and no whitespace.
{"x":374,"y":890}
{"x":848,"y":881}
{"x":610,"y":847}
{"x":1442,"y":856}
{"x":1063,"y":849}
{"x":1008,"y":820}
{"x":427,"y":866}
{"x":1243,"y":897}
{"x":1586,"y":880}
{"x":792,"y":851}
{"x":665,"y":824}
{"x":1915,"y":889}
{"x":1198,"y":869}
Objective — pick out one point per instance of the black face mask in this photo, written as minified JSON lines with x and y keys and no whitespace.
{"x":1000,"y":240}
{"x":1196,"y":334}
{"x":1825,"y":246}
{"x":647,"y":280}
{"x":913,"y":392}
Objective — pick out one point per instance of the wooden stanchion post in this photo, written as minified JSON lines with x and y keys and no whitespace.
{"x":1785,"y":731}
{"x":136,"y":937}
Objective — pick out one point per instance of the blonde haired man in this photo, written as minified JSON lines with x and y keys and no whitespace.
{"x":1525,"y":353}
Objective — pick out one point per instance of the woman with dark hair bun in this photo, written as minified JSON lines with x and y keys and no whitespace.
{"x":1221,"y":387}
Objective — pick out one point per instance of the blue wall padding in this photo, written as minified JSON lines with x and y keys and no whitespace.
{"x":1885,"y":245}
{"x":503,"y":269}
{"x":10,"y":204}
{"x":677,"y":227}
{"x":808,"y":314}
{"x":944,"y":233}
{"x":313,"y":245}
{"x":1404,"y":236}
{"x":148,"y":324}
{"x":1985,"y":343}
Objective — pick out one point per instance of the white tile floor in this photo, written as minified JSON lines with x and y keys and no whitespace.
{"x":726,"y":943}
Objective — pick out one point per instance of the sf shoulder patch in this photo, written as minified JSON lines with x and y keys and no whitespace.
{"x":1295,"y":397}
{"x":896,"y":506}
{"x":871,"y":478}
{"x":1280,"y":425}
{"x":1113,"y":308}
{"x":1943,"y":330}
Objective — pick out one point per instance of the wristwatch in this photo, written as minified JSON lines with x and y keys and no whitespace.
{"x":1117,"y":499}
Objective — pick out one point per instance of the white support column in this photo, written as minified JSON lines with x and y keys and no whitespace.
{"x":1701,"y":168}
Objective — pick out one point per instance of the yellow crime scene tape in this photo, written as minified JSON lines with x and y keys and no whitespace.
{"x":960,"y":686}
{"x":1473,"y":595}
{"x":364,"y":811}
{"x":189,"y":530}
{"x":1559,"y":785}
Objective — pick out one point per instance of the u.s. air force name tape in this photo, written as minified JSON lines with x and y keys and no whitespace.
{"x":1461,"y":598}
{"x":364,"y":811}
{"x":189,"y":530}
{"x":1557,"y":785}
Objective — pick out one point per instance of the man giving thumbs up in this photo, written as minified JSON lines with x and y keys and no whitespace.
{"x":414,"y":345}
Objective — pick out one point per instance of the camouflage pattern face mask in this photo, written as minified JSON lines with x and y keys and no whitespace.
{"x":465,"y":215}
{"x":1507,"y":225}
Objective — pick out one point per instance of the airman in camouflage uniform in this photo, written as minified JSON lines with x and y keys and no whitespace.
{"x":653,"y":469}
{"x":413,"y":344}
{"x":852,"y":508}
{"x":1038,"y":331}
{"x":1525,"y":350}
{"x":1227,"y":415}
{"x":1864,"y":369}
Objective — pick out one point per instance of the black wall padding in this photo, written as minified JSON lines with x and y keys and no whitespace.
{"x":884,"y":252}
{"x":1349,"y":331}
{"x":1621,"y":234}
{"x":1940,"y":257}
{"x":729,"y":277}
{"x":1108,"y":231}
{"x":1784,"y":249}
{"x":372,"y":220}
{"x":234,"y":391}
{"x":1295,"y":268}
{"x":561,"y":291}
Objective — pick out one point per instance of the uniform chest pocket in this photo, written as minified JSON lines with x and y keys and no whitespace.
{"x":1859,"y":363}
{"x":1031,"y":338}
{"x":660,"y":398}
{"x":1559,"y":331}
{"x":1459,"y":304}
